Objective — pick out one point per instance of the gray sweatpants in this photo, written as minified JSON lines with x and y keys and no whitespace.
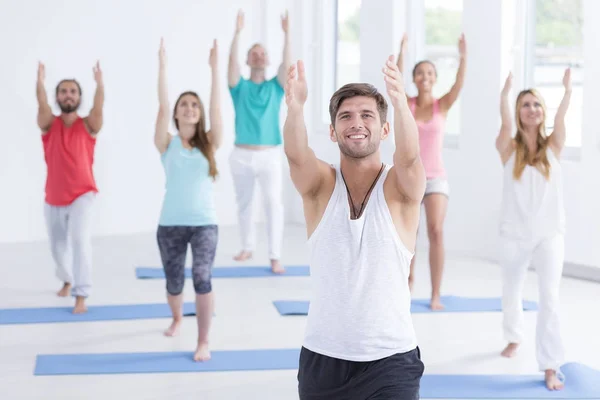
{"x":69,"y":232}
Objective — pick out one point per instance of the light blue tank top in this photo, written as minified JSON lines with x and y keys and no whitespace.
{"x":257,"y":107}
{"x":188,"y":199}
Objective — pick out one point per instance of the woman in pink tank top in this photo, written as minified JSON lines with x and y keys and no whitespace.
{"x":430,"y":116}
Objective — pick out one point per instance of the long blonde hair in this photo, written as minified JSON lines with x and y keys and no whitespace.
{"x":523,"y":156}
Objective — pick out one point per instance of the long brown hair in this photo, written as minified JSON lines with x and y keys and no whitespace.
{"x":523,"y":156}
{"x":200,"y":139}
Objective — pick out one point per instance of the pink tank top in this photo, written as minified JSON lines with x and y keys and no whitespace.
{"x":431,"y":140}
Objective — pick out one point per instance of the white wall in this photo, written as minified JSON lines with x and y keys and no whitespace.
{"x":127,"y":167}
{"x":473,"y":166}
{"x":125,"y":37}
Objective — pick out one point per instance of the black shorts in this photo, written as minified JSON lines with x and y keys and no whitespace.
{"x":396,"y":377}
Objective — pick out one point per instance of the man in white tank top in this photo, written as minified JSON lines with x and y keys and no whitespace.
{"x":362,"y":218}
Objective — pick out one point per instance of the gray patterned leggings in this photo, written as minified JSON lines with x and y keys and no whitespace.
{"x":173,"y":243}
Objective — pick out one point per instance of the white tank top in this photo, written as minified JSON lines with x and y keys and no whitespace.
{"x":360,"y":303}
{"x":532,"y":207}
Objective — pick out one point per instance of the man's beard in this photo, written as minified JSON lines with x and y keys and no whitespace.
{"x":68,"y":107}
{"x":363,"y":152}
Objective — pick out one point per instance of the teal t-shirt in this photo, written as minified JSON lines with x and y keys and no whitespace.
{"x":188,"y":199}
{"x":257,"y":108}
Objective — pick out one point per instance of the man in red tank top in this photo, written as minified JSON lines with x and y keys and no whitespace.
{"x":69,"y":142}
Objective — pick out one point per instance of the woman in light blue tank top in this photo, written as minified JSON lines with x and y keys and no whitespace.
{"x":188,"y":215}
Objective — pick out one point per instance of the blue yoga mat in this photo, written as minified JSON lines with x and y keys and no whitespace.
{"x":136,"y":363}
{"x":581,"y":382}
{"x":451,"y":304}
{"x":94,"y":313}
{"x":228,"y":272}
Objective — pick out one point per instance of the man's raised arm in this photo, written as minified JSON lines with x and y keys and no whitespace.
{"x":95,"y":120}
{"x":44,"y":116}
{"x":307,"y":172}
{"x":408,"y":168}
{"x":233,"y":67}
{"x":287,"y":58}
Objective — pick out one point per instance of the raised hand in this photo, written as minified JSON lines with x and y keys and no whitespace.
{"x":567,"y":79}
{"x":41,"y":75}
{"x":97,"y":73}
{"x":162,"y":56}
{"x":403,"y":42}
{"x":507,"y":84}
{"x":212,"y":58}
{"x":462,"y":45}
{"x":296,"y":90}
{"x":240,"y":22}
{"x":394,"y":82}
{"x":285,"y":22}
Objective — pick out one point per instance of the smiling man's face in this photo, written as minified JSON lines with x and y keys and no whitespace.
{"x":358,"y":129}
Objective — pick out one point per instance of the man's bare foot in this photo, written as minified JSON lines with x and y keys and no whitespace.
{"x":202,"y":352}
{"x":243,"y":255}
{"x":173,"y":330}
{"x":510,"y":350}
{"x":436,"y":303}
{"x":552,"y":381}
{"x":65,"y":290}
{"x":80,"y":306}
{"x":276,"y":267}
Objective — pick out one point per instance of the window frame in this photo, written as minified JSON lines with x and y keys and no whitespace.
{"x":418,"y":51}
{"x":572,"y":153}
{"x":325,"y":12}
{"x":325,"y":64}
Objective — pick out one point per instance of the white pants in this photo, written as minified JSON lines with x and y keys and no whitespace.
{"x":263,"y":166}
{"x":547,"y":256}
{"x":69,"y":232}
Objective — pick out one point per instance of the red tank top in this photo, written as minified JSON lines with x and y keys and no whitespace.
{"x":69,"y":155}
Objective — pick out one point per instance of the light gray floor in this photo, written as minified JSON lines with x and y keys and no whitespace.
{"x":246,"y":319}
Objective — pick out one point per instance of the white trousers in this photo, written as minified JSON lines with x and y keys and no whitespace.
{"x":69,"y":232}
{"x":547,"y":257}
{"x":249,"y":167}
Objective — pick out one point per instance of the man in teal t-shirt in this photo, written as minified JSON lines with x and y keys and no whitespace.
{"x":256,"y":157}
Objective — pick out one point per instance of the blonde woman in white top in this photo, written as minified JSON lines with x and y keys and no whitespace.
{"x":532,"y":223}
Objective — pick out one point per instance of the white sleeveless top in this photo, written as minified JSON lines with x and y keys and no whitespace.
{"x":360,"y":303}
{"x":532,"y":207}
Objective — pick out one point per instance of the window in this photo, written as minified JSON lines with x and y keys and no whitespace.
{"x":339,"y":58}
{"x":348,"y":43}
{"x":443,"y":27}
{"x":558,"y":44}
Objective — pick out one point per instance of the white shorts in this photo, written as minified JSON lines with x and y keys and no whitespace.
{"x":437,"y":186}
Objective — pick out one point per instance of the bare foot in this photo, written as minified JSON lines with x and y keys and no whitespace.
{"x":243,"y":255}
{"x":436,"y":304}
{"x":276,"y":267}
{"x":552,"y":381}
{"x":202,"y":352}
{"x":80,"y":306}
{"x":65,"y":290}
{"x":510,"y":350}
{"x":173,"y":330}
